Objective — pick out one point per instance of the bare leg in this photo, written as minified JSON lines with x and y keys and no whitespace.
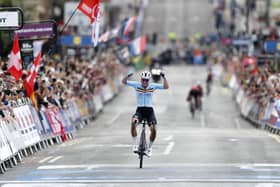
{"x":153,"y":134}
{"x":133,"y":131}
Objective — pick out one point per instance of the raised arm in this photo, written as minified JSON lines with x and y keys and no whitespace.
{"x":124,"y":80}
{"x":165,"y":83}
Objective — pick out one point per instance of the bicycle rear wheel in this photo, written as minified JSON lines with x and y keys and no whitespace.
{"x":142,"y":147}
{"x":192,"y":108}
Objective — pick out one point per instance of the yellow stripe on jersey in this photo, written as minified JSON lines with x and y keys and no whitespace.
{"x":144,"y":90}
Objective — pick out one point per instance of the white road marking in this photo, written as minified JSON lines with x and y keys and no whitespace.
{"x":168,"y":138}
{"x":267,"y":185}
{"x":55,"y":159}
{"x":45,"y":159}
{"x":122,"y":145}
{"x":114,"y":118}
{"x":237,"y":122}
{"x":237,"y":165}
{"x":275,"y":137}
{"x":161,"y":109}
{"x":226,"y":91}
{"x":169,"y":148}
{"x":170,"y":91}
{"x":91,"y":146}
{"x":202,"y":120}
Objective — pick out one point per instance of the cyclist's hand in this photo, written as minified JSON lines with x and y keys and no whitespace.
{"x":162,"y":74}
{"x":129,"y":75}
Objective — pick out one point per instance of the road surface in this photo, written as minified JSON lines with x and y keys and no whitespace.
{"x":217,"y":148}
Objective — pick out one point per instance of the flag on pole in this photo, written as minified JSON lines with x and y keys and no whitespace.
{"x":90,"y":8}
{"x":104,"y":37}
{"x":15,"y":63}
{"x":30,"y":79}
{"x":138,"y":46}
{"x":95,"y":33}
{"x":128,"y":26}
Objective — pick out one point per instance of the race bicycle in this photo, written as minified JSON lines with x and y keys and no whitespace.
{"x":208,"y":88}
{"x":142,"y":148}
{"x":193,"y":106}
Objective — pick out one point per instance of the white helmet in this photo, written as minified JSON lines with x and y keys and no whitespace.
{"x":145,"y":75}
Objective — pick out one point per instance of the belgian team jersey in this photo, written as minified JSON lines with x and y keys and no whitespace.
{"x":144,"y":95}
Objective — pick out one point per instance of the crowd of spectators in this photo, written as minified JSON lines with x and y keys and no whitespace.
{"x":259,"y":82}
{"x":59,"y":81}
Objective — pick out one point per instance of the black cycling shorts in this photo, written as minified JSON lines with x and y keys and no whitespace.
{"x":146,"y":113}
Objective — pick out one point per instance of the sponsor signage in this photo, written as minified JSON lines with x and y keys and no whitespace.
{"x":241,"y":42}
{"x":11,"y":18}
{"x":70,"y":40}
{"x":39,"y":30}
{"x":26,"y":51}
{"x":272,"y":46}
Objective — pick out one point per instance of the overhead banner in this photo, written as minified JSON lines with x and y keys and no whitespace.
{"x":38,"y":30}
{"x":70,"y":40}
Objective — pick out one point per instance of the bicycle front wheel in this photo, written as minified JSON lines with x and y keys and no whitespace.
{"x":142,"y":147}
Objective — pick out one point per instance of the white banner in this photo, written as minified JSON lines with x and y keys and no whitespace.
{"x":9,"y":19}
{"x":98,"y":103}
{"x":107,"y":93}
{"x":27,"y":125}
{"x":5,"y":150}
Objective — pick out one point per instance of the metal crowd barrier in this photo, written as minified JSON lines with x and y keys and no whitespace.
{"x":265,"y":116}
{"x":26,"y":130}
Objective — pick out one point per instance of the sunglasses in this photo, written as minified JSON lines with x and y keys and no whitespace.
{"x":145,"y":80}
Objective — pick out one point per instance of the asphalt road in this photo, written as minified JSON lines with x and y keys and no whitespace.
{"x":217,"y":148}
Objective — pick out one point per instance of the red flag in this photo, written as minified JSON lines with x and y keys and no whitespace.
{"x":90,"y":8}
{"x":15,"y":63}
{"x":29,"y":81}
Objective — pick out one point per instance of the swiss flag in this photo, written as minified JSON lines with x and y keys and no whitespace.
{"x":15,"y":63}
{"x":90,"y":8}
{"x":30,"y":79}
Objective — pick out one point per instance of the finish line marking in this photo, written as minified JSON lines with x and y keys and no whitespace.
{"x":162,"y":180}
